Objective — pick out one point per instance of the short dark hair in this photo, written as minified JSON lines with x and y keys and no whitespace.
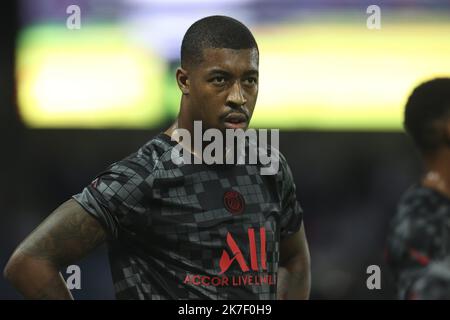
{"x":428,"y":103}
{"x":214,"y":32}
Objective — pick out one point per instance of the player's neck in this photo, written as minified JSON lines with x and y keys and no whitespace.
{"x":437,"y":174}
{"x":184,"y":121}
{"x":178,"y":124}
{"x":186,"y":144}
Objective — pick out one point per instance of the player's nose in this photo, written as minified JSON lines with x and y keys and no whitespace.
{"x":236,"y":97}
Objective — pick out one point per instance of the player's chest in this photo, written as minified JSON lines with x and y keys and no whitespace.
{"x":206,"y":195}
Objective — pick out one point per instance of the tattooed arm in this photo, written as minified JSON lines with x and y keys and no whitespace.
{"x":294,"y":275}
{"x":66,"y":236}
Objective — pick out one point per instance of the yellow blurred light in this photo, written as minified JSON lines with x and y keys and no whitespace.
{"x":87,"y":78}
{"x":344,"y":76}
{"x":317,"y":75}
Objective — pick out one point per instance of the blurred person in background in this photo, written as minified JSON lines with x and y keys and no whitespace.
{"x":418,"y":245}
{"x":183,"y":232}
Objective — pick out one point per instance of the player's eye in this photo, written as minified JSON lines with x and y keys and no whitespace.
{"x":251,"y":81}
{"x":219,"y":80}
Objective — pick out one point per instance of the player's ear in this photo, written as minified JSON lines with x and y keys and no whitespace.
{"x":183,"y":80}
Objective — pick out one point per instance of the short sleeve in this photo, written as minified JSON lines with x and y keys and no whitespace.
{"x":116,"y":197}
{"x":291,"y":212}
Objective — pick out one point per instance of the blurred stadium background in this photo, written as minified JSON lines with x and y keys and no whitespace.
{"x":74,"y":101}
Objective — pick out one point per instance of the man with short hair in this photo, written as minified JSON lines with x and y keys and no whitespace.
{"x":180,"y":230}
{"x":418,"y":249}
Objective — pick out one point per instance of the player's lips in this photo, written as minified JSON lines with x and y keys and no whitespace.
{"x":236,"y":121}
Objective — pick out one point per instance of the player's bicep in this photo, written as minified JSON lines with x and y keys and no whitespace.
{"x":67,"y":235}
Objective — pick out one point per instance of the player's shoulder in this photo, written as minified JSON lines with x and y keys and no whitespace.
{"x":421,"y":203}
{"x":284,"y":170}
{"x":421,"y":214}
{"x":417,"y":231}
{"x":283,"y":178}
{"x":150,"y":157}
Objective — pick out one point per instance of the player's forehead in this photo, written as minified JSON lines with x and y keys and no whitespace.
{"x":230,"y":60}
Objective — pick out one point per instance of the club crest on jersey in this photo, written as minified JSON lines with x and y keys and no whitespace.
{"x":234,"y":202}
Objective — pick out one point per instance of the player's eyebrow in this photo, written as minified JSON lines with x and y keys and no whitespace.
{"x":251,"y":72}
{"x":218,"y":71}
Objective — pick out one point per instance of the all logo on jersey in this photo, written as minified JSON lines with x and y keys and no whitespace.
{"x":253,"y":266}
{"x":226,"y":260}
{"x":234,"y":202}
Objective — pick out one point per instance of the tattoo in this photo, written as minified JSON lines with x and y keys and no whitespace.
{"x":67,"y":235}
{"x":55,"y":289}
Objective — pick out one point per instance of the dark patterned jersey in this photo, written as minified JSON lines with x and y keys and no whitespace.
{"x":418,"y":246}
{"x":192,"y":231}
